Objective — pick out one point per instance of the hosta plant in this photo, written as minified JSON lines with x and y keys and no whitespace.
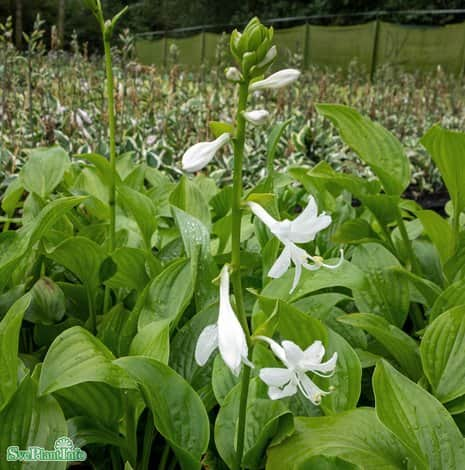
{"x":311,"y":318}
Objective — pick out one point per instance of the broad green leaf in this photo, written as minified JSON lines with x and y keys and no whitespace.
{"x":142,"y":210}
{"x":101,"y":164}
{"x":443,"y":353}
{"x":178,"y":412}
{"x":417,"y":419}
{"x":10,"y":327}
{"x":356,"y":436}
{"x":453,"y":296}
{"x":196,"y":240}
{"x":376,"y":294}
{"x":168,"y":294}
{"x":97,"y":401}
{"x":354,"y":232}
{"x":44,"y":170}
{"x":82,"y":257}
{"x":12,"y":195}
{"x":264,"y":418}
{"x":48,"y":303}
{"x":153,"y":340}
{"x":131,"y":272}
{"x":223,"y":380}
{"x":375,"y":145}
{"x":187,"y":197}
{"x":446,"y":149}
{"x":400,"y":345}
{"x":77,"y":356}
{"x":30,"y":420}
{"x":183,"y":347}
{"x":439,"y":232}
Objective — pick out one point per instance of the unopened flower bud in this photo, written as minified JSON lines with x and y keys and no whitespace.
{"x":233,"y":74}
{"x":257,"y":117}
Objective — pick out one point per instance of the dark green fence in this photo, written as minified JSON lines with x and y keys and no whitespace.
{"x":373,"y":44}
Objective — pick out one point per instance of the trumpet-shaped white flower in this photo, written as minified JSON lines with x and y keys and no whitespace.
{"x":200,"y":155}
{"x":284,"y":382}
{"x":257,"y":117}
{"x":277,"y":80}
{"x":226,"y":335}
{"x":302,"y":229}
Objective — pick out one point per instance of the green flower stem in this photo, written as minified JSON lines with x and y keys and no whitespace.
{"x":236,"y":258}
{"x":112,"y":131}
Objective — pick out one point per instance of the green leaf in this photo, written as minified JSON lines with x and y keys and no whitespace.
{"x":356,"y":436}
{"x":168,"y":294}
{"x":188,"y":197}
{"x":12,"y":195}
{"x":443,"y":353}
{"x":376,"y":295}
{"x":48,"y":303}
{"x":30,"y":420}
{"x":218,"y":128}
{"x":453,"y":296}
{"x":83,"y":257}
{"x":101,"y":164}
{"x":178,"y":412}
{"x":142,"y":209}
{"x":417,"y":419}
{"x":184,"y":343}
{"x":130,"y":269}
{"x":355,"y":231}
{"x":10,"y":327}
{"x":375,"y":145}
{"x":400,"y":345}
{"x":446,"y":149}
{"x":264,"y":418}
{"x":196,"y":240}
{"x":153,"y":340}
{"x":44,"y":170}
{"x":77,"y":356}
{"x":439,"y":232}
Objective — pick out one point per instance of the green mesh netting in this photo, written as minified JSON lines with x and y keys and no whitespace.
{"x":411,"y":47}
{"x":414,"y":47}
{"x":337,"y":46}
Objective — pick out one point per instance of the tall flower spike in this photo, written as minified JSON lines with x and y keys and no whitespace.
{"x":200,"y":155}
{"x":226,"y":335}
{"x":302,"y":229}
{"x":277,"y":80}
{"x":284,"y":382}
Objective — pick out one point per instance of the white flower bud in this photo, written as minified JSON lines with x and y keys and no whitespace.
{"x":233,"y":74}
{"x":277,"y":80}
{"x":257,"y":117}
{"x":200,"y":155}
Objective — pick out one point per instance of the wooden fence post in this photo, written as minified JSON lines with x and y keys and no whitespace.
{"x":374,"y":50}
{"x":306,"y":48}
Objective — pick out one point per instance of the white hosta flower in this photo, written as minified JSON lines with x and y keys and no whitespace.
{"x":284,"y":382}
{"x":302,"y":229}
{"x":226,"y":335}
{"x":277,"y":80}
{"x":200,"y":155}
{"x":233,"y":74}
{"x":84,"y":116}
{"x":257,"y":117}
